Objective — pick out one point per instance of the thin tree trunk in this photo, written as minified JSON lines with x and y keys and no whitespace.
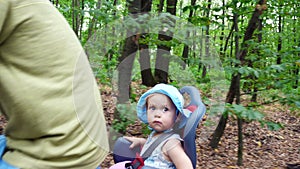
{"x":76,"y":17}
{"x":125,"y":68}
{"x":228,"y":38}
{"x":254,"y":79}
{"x":232,"y":93}
{"x":185,"y":53}
{"x":161,"y":6}
{"x":207,"y":53}
{"x":252,"y":25}
{"x":279,"y":45}
{"x":81,"y":20}
{"x":73,"y":16}
{"x":235,"y":81}
{"x":296,"y":41}
{"x":163,"y":51}
{"x":127,"y":58}
{"x":296,"y":72}
{"x":223,"y":120}
{"x":240,"y":145}
{"x":222,"y":31}
{"x":240,"y":124}
{"x":144,"y":60}
{"x":200,"y":53}
{"x":92,"y":24}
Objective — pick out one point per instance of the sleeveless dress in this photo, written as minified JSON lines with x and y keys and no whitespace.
{"x":157,"y":159}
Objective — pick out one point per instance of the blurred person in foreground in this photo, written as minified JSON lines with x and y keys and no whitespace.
{"x":47,"y":91}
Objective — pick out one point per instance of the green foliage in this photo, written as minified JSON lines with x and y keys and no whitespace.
{"x":127,"y":116}
{"x":271,"y":125}
{"x":273,"y":72}
{"x":104,"y":67}
{"x":179,"y":76}
{"x":121,"y":124}
{"x":145,"y":130}
{"x":249,"y":114}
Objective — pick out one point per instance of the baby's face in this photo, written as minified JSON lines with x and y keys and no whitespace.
{"x":161,"y":112}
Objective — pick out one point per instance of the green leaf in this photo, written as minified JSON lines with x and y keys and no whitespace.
{"x":239,"y":108}
{"x":256,"y":74}
{"x":278,"y":68}
{"x":297,"y":103}
{"x":253,"y":115}
{"x":243,"y":71}
{"x":273,"y":125}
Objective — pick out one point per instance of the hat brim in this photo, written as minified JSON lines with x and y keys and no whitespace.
{"x":169,"y":91}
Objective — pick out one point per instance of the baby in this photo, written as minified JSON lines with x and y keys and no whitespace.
{"x":162,"y":109}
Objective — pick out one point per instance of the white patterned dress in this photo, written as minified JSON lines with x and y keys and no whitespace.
{"x":157,"y":159}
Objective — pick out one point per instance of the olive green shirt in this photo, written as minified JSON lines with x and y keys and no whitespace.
{"x":47,"y":91}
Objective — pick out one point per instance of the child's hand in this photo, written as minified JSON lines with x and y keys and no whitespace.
{"x":135,"y":141}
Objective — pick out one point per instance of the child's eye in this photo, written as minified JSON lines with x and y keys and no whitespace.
{"x":166,"y":109}
{"x":151,"y":108}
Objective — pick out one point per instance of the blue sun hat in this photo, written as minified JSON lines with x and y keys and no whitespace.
{"x":173,"y":93}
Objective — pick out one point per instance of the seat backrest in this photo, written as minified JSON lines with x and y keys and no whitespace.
{"x":198,"y":110}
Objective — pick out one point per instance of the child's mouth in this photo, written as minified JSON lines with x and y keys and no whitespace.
{"x":157,"y":122}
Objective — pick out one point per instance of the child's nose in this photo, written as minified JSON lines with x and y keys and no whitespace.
{"x":157,"y":113}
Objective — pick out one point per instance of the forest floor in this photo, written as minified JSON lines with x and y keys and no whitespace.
{"x":262,"y":148}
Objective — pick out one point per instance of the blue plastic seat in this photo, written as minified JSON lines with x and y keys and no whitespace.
{"x":4,"y":164}
{"x":189,"y":133}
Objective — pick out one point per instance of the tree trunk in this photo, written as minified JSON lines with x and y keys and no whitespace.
{"x":81,"y":20}
{"x":127,"y":58}
{"x":279,"y":45}
{"x":125,"y":68}
{"x":252,"y":25}
{"x":207,"y":53}
{"x":296,"y":72}
{"x":232,"y":93}
{"x":223,"y":120}
{"x":147,"y":77}
{"x":161,"y":6}
{"x":93,"y":21}
{"x":239,"y":122}
{"x":296,"y":41}
{"x":162,"y":61}
{"x":240,"y":145}
{"x":235,"y":81}
{"x":254,"y":79}
{"x":144,"y":60}
{"x":222,"y":54}
{"x":200,"y":54}
{"x":228,"y":38}
{"x":76,"y":16}
{"x":185,"y":53}
{"x":163,"y":51}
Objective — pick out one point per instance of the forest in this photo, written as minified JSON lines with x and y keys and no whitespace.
{"x":243,"y":56}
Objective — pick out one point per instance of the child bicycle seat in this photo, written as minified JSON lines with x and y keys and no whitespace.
{"x":121,"y":151}
{"x":189,"y":133}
